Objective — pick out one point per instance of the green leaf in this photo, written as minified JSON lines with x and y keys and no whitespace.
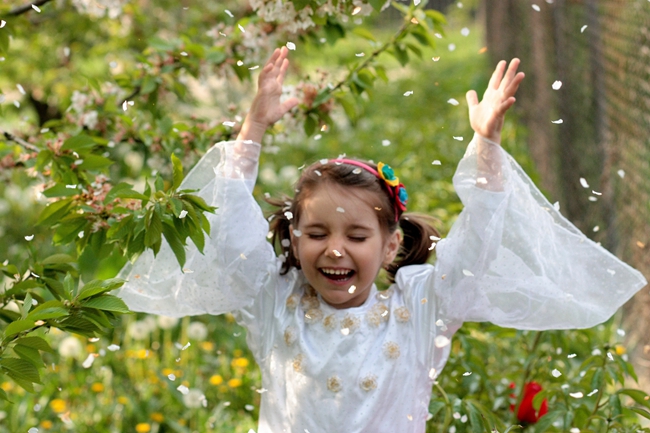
{"x":120,"y":229}
{"x":36,"y":343}
{"x":54,"y":212}
{"x":18,"y":326}
{"x":60,"y":190}
{"x":48,"y":310}
{"x":149,"y":84}
{"x":364,"y":33}
{"x":78,"y":142}
{"x":29,"y":354}
{"x":310,"y":125}
{"x":547,"y":420}
{"x":198,"y":202}
{"x":178,"y":172}
{"x":21,"y":369}
{"x":123,"y":190}
{"x":4,"y":396}
{"x":436,"y":406}
{"x":56,"y":259}
{"x":96,"y":287}
{"x":377,"y":4}
{"x":4,"y":43}
{"x":153,"y":228}
{"x":106,"y":303}
{"x":175,"y":243}
{"x":644,"y":413}
{"x":95,"y":162}
{"x":637,"y":395}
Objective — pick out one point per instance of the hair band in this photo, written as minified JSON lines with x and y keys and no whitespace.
{"x":385,"y":173}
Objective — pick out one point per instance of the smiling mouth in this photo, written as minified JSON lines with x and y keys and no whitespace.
{"x":337,"y":274}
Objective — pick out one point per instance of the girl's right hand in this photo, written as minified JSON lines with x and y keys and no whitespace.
{"x":267,"y":108}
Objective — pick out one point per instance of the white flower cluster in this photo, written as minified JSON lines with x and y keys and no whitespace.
{"x":284,"y":13}
{"x":79,"y":102}
{"x":99,"y":8}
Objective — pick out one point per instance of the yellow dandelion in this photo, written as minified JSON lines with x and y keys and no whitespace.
{"x":620,"y":350}
{"x":234,"y":383}
{"x":208,"y":346}
{"x":216,"y":380}
{"x":7,"y":386}
{"x":178,"y":373}
{"x":90,"y":348}
{"x":157,"y":417}
{"x":122,"y":400}
{"x":46,"y":424}
{"x":142,"y":353}
{"x":167,"y":371}
{"x":97,"y":387}
{"x":58,"y":405}
{"x":143,"y":427}
{"x":240,"y":362}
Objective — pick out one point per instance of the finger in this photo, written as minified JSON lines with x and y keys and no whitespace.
{"x":284,"y":51}
{"x":274,"y":56}
{"x":505,"y":106}
{"x":472,"y":98}
{"x":510,"y":73}
{"x":495,"y":80}
{"x":513,"y":86}
{"x":283,"y":70}
{"x":289,"y":104}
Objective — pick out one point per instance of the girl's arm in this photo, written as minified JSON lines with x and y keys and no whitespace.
{"x":486,"y":118}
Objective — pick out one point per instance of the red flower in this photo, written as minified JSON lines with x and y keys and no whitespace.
{"x":526,"y":411}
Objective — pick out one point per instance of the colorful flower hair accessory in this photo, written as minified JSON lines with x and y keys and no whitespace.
{"x":396,"y":191}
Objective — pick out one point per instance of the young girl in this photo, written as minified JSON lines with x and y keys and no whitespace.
{"x":336,"y":354}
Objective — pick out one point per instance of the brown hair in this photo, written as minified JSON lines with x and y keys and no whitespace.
{"x":417,"y":229}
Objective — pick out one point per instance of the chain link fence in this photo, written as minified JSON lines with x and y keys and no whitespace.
{"x":595,"y":127}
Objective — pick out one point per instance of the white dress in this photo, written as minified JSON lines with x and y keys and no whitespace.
{"x":510,"y":259}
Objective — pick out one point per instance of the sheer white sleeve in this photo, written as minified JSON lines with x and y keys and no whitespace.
{"x":512,"y":259}
{"x":237,"y":259}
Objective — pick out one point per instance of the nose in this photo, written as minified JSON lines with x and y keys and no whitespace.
{"x":335,"y":248}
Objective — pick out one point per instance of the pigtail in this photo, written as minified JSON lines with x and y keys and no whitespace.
{"x":279,"y":223}
{"x":420,"y":235}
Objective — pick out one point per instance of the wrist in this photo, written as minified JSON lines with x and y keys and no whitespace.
{"x":252,"y":130}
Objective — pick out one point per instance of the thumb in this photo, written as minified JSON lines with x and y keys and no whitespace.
{"x":289,"y":104}
{"x":472,"y":98}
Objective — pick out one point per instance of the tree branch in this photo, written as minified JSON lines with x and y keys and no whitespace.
{"x":21,"y":142}
{"x":26,"y":8}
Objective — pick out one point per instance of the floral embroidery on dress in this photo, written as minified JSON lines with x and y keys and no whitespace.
{"x":391,"y":350}
{"x":368,"y":383}
{"x":330,"y":322}
{"x":290,"y":336}
{"x":349,"y":324}
{"x":334,"y":383}
{"x":402,"y":314}
{"x":313,"y":315}
{"x":292,"y":302}
{"x":309,"y":301}
{"x":385,"y":294}
{"x":297,"y":363}
{"x":377,"y":314}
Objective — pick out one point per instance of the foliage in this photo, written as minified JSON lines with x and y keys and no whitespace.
{"x":121,"y":98}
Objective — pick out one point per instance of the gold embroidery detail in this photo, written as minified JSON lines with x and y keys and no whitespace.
{"x":290,"y":336}
{"x":349,"y":324}
{"x":368,"y":383}
{"x":385,"y":294}
{"x":297,"y":363}
{"x":313,"y":316}
{"x":402,"y":314}
{"x":334,"y":384}
{"x":391,"y":350}
{"x":329,"y":322}
{"x":292,"y":302}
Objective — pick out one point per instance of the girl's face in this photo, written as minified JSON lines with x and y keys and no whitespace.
{"x":341,"y":246}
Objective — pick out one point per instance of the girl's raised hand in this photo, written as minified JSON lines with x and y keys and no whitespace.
{"x":486,"y":117}
{"x":267,"y":108}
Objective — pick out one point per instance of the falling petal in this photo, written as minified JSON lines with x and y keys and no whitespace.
{"x":556,"y":373}
{"x":592,"y":392}
{"x":183,"y":214}
{"x":451,"y":47}
{"x":229,"y":13}
{"x":576,"y":394}
{"x":621,"y":173}
{"x":436,"y":162}
{"x":556,"y":206}
{"x":297,"y":233}
{"x":558,"y":121}
{"x":573,"y":355}
{"x":337,"y":253}
{"x":291,"y":46}
{"x":89,"y":360}
{"x":240,"y":63}
{"x":241,"y":28}
{"x":556,"y":85}
{"x":340,"y":209}
{"x":36,"y":8}
{"x":352,"y":289}
{"x":385,"y":143}
{"x":183,"y":389}
{"x":408,"y":93}
{"x":584,"y":183}
{"x":441,"y":341}
{"x":583,"y":28}
{"x":536,"y":8}
{"x":171,"y":376}
{"x":21,"y":89}
{"x":435,"y":59}
{"x":468,"y":273}
{"x":29,"y":238}
{"x":458,"y":138}
{"x":2,"y":23}
{"x":125,"y":106}
{"x":595,"y":229}
{"x":467,"y":373}
{"x":113,"y":347}
{"x":464,"y":31}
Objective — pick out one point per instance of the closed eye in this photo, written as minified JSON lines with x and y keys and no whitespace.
{"x":316,"y":236}
{"x":358,"y":238}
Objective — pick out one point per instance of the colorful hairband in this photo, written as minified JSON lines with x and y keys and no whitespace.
{"x":396,"y":190}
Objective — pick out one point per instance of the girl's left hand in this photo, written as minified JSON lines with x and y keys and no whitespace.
{"x":486,"y":117}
